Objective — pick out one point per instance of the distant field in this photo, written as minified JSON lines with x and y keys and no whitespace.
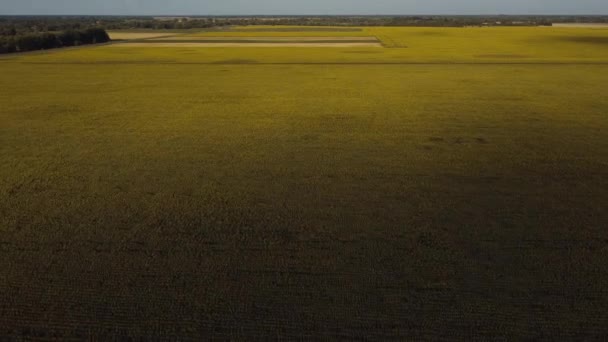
{"x":117,"y":35}
{"x":581,"y":25}
{"x":296,"y":29}
{"x":401,"y":45}
{"x":283,"y":31}
{"x":266,"y":38}
{"x":449,"y":185}
{"x":219,"y":41}
{"x":262,"y":43}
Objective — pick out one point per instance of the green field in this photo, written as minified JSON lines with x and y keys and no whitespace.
{"x":451,"y":184}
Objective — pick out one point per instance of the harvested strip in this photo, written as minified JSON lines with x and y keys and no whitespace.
{"x":268,"y":39}
{"x":250,"y":44}
{"x":258,"y":41}
{"x":117,"y":35}
{"x":297,"y":29}
{"x":581,"y":25}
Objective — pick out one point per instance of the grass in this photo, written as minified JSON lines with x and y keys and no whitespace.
{"x":151,"y":191}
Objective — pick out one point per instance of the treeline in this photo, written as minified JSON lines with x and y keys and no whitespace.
{"x":184,"y":23}
{"x":38,"y":24}
{"x":427,"y":21}
{"x":24,"y":25}
{"x":587,"y":19}
{"x":12,"y":41}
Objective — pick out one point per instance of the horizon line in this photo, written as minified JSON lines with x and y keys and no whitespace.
{"x":306,"y":15}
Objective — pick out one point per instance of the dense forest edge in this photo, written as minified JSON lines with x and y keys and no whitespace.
{"x":29,"y":33}
{"x":13,"y":41}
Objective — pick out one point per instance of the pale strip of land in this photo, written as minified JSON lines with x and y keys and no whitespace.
{"x":278,"y":39}
{"x":582,"y":25}
{"x":208,"y":44}
{"x":117,"y":35}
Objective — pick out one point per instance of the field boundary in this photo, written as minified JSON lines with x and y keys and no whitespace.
{"x":253,"y":44}
{"x":313,"y":63}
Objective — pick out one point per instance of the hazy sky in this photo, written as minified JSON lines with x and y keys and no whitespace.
{"x":245,"y":7}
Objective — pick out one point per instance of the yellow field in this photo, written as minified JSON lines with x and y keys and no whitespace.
{"x":450,"y":185}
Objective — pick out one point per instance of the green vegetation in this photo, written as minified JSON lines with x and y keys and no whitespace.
{"x":49,"y":40}
{"x":454,"y":188}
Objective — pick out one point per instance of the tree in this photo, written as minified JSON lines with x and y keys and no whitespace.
{"x":7,"y":44}
{"x":48,"y":40}
{"x":69,"y":38}
{"x":97,"y":35}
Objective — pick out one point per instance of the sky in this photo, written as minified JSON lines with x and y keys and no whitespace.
{"x":303,"y":7}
